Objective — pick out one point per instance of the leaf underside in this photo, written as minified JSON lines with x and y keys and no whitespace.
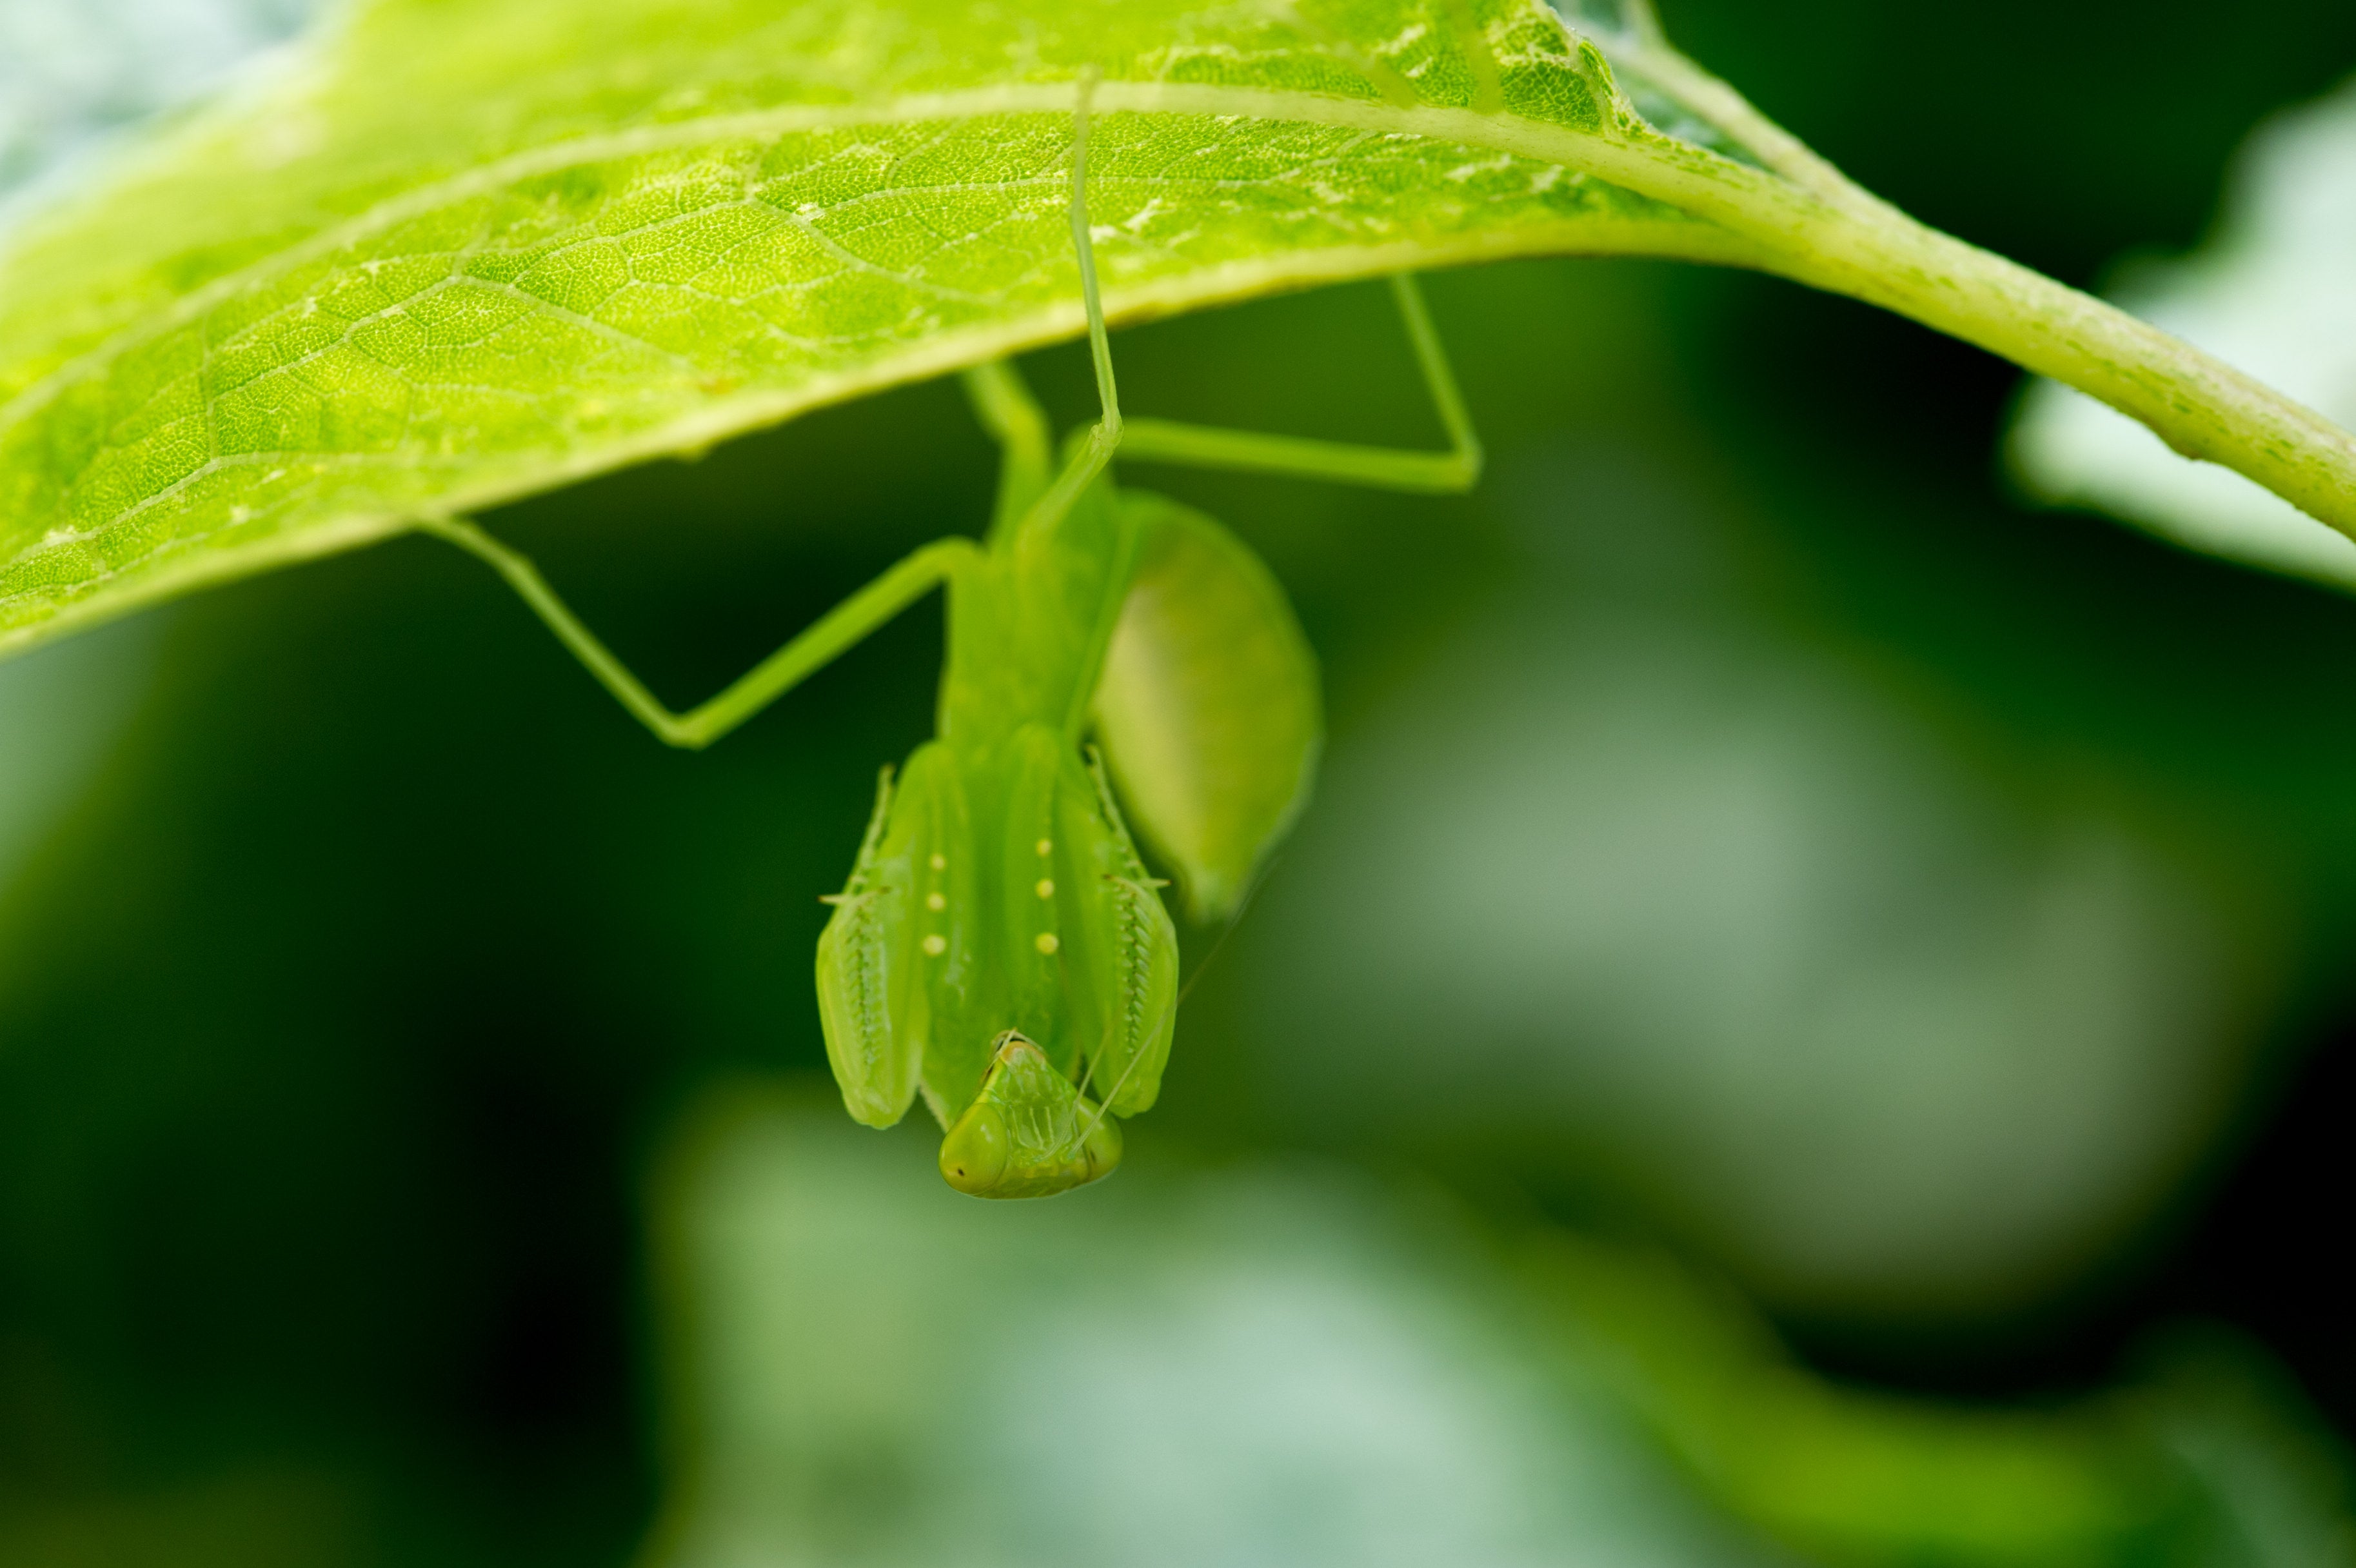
{"x":447,"y":255}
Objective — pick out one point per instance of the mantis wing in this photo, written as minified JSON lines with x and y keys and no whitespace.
{"x":1208,"y":708}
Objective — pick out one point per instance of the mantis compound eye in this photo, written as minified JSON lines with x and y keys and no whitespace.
{"x":1100,"y":1148}
{"x":974,"y":1153}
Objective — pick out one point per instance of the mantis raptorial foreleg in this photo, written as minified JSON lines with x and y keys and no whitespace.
{"x":832,"y":635}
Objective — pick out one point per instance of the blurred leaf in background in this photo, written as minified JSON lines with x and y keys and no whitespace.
{"x":77,"y":705}
{"x":71,"y":74}
{"x":1898,"y":1012}
{"x":1257,"y":1366}
{"x":1286,"y":1363}
{"x":2273,"y":290}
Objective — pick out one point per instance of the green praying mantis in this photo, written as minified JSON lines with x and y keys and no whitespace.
{"x":1000,"y":948}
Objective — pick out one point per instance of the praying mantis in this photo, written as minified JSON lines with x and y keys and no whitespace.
{"x":1000,"y":948}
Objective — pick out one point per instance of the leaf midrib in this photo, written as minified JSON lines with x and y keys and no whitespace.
{"x":1643,"y":172}
{"x":1676,"y":181}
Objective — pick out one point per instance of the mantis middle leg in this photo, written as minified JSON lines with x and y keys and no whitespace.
{"x":1382,"y":468}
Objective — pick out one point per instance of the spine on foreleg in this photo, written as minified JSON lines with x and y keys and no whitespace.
{"x":1127,"y":980}
{"x":862,"y":974}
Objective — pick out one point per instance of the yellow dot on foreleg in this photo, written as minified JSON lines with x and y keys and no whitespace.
{"x":935,"y":901}
{"x":941,"y":862}
{"x":1046,"y":887}
{"x":1047,"y":942}
{"x":1046,"y":846}
{"x":937,"y":944}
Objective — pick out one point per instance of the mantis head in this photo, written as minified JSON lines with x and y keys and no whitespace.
{"x":1029,"y":1133}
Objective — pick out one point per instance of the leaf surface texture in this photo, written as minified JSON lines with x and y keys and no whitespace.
{"x":447,"y":255}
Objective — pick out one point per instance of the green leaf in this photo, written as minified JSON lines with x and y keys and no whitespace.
{"x":1208,"y":708}
{"x":455,"y":252}
{"x":451,"y":254}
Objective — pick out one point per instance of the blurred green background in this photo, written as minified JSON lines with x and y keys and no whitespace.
{"x":1805,"y":1023}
